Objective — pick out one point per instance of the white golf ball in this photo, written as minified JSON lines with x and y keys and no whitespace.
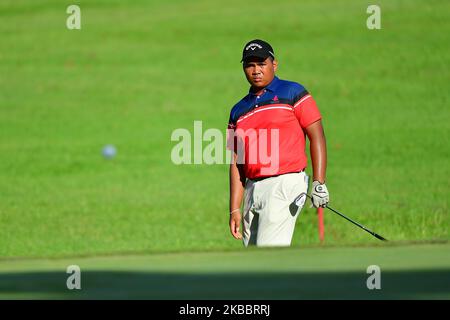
{"x":109,"y":151}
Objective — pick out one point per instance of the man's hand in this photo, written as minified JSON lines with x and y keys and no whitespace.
{"x":235,"y":224}
{"x":319,"y":194}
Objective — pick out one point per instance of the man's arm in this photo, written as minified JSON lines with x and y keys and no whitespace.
{"x":237,"y":182}
{"x":320,"y":196}
{"x":318,"y":149}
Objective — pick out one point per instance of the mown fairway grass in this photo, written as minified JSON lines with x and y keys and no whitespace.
{"x":407,"y":272}
{"x":140,"y":69}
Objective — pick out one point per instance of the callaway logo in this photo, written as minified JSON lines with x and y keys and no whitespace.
{"x":253,"y":46}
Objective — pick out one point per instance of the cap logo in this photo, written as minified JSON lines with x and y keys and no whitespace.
{"x":253,"y":46}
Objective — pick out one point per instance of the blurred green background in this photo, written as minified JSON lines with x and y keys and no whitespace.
{"x":137,"y":70}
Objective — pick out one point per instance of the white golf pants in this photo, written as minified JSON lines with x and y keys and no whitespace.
{"x":270,"y":209}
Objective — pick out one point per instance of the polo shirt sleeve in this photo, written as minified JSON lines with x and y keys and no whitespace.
{"x":231,"y":139}
{"x":305,"y":107}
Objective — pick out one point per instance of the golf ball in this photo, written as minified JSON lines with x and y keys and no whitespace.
{"x":109,"y":151}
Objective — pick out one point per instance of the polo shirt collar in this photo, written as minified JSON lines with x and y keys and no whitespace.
{"x":272,"y":85}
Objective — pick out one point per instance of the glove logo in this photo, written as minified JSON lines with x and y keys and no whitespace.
{"x":319,"y":196}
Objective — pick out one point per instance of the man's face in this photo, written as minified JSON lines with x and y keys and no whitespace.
{"x":259,"y":72}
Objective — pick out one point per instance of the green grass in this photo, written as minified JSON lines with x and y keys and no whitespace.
{"x":138,"y":70}
{"x":407,"y":272}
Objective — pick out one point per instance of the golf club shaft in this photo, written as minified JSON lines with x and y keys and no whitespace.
{"x":355,"y":223}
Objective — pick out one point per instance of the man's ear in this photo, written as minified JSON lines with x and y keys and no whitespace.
{"x":275,"y":65}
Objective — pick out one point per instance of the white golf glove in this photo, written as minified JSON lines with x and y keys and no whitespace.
{"x":319,"y":195}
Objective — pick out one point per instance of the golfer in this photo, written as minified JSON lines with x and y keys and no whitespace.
{"x":266,"y":132}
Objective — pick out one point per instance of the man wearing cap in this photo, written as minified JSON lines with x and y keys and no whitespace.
{"x":266,"y":132}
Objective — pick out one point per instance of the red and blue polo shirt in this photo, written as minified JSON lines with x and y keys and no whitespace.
{"x":285,"y":106}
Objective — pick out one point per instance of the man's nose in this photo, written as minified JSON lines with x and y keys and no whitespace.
{"x":256,"y":70}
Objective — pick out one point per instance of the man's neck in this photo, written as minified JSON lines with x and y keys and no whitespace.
{"x":257,"y":91}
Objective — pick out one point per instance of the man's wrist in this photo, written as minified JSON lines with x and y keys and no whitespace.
{"x":235,"y":210}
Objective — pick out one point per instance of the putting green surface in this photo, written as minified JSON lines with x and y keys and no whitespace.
{"x":407,"y":272}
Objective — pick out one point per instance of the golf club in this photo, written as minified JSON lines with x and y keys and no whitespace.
{"x":356,"y":223}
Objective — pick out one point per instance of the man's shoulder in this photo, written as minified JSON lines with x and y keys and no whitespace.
{"x":293,"y":91}
{"x":241,"y":102}
{"x":239,"y":108}
{"x":291,"y":87}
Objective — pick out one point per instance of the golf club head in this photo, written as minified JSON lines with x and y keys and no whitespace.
{"x":300,"y":200}
{"x":297,"y":205}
